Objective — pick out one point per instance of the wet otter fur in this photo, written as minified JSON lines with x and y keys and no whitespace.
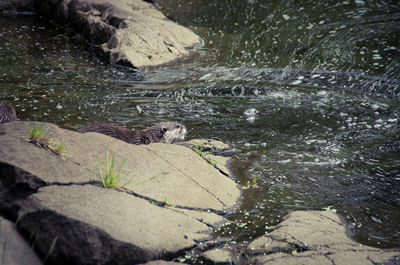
{"x":7,"y":113}
{"x":163,"y":132}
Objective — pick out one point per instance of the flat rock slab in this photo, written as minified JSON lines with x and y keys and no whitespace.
{"x":129,"y":32}
{"x":174,"y":201}
{"x":159,"y":172}
{"x":116,"y":228}
{"x":315,"y":237}
{"x":223,"y":256}
{"x":213,"y":151}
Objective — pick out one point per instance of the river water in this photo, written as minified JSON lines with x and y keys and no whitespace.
{"x":308,"y":91}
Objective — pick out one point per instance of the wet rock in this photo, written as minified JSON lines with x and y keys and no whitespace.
{"x":129,"y":32}
{"x":312,"y":237}
{"x":159,"y":171}
{"x":16,"y":6}
{"x":174,"y":201}
{"x":14,"y":250}
{"x":215,"y":152}
{"x":223,"y":256}
{"x":207,"y":145}
{"x":162,"y":262}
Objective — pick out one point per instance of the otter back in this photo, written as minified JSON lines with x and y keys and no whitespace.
{"x":7,"y":113}
{"x":163,"y":132}
{"x":121,"y":133}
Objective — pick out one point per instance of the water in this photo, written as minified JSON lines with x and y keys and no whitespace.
{"x":308,"y":91}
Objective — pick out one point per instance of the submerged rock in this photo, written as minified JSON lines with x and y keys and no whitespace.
{"x":129,"y":32}
{"x":223,"y":256}
{"x":315,"y":237}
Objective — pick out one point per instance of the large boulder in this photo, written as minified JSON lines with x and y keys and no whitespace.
{"x":315,"y":237}
{"x":175,"y":199}
{"x":128,"y":32}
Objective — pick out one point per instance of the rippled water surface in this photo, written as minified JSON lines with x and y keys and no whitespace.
{"x":307,"y":90}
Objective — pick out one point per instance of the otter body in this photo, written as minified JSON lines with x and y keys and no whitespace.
{"x":164,"y":132}
{"x":7,"y":113}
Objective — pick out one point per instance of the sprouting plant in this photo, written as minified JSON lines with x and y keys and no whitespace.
{"x":329,"y":208}
{"x":38,"y":135}
{"x":60,"y":149}
{"x":166,"y":203}
{"x":200,"y":151}
{"x":37,"y":131}
{"x":270,"y":227}
{"x":212,"y":162}
{"x":203,"y":154}
{"x":252,"y":183}
{"x":111,"y":177}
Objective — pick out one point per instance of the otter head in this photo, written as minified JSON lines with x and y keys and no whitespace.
{"x":168,"y":132}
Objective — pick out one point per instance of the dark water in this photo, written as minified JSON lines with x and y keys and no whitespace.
{"x":309,"y":91}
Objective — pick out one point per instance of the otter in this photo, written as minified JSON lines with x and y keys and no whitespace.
{"x":163,"y":132}
{"x":7,"y":113}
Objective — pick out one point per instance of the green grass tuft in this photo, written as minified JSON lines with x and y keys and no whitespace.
{"x":38,"y":135}
{"x":111,"y":177}
{"x":37,"y":131}
{"x":60,"y":149}
{"x":200,"y":151}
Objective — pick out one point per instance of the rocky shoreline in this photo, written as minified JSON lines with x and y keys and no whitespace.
{"x":176,"y":201}
{"x":133,"y":33}
{"x":54,"y":209}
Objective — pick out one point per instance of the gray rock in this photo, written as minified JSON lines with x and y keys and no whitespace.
{"x":13,"y":248}
{"x":223,"y":256}
{"x":128,"y":32}
{"x":162,"y":262}
{"x":312,"y":237}
{"x":207,"y":145}
{"x":64,"y":206}
{"x":159,"y":171}
{"x":213,"y":151}
{"x":93,"y":225}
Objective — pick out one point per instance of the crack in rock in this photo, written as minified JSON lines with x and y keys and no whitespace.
{"x":189,"y":177}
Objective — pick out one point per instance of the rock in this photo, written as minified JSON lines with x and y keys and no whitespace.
{"x":129,"y":32}
{"x":62,"y":203}
{"x":207,"y":145}
{"x":159,"y":171}
{"x":312,"y":237}
{"x":13,"y":248}
{"x":162,"y":262}
{"x":16,"y":6}
{"x":223,"y":256}
{"x":213,"y":151}
{"x":121,"y":229}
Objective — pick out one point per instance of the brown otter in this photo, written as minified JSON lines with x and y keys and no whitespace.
{"x":163,"y":132}
{"x":7,"y":113}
